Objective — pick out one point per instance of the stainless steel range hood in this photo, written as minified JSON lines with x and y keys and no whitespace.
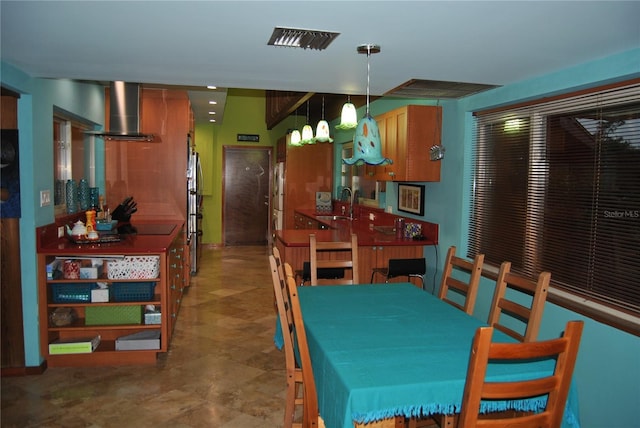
{"x":124,"y":113}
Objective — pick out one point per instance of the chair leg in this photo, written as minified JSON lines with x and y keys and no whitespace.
{"x":421,"y":277}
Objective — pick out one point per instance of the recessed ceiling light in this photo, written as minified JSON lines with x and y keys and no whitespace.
{"x":212,"y":112}
{"x":300,"y":38}
{"x":213,"y":102}
{"x":211,"y":87}
{"x":212,"y":120}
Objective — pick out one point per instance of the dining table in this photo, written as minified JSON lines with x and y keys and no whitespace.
{"x":382,"y":351}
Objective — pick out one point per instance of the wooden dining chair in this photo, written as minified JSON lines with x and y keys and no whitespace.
{"x":555,"y":386}
{"x":506,"y":312}
{"x":295,"y":395}
{"x":311,"y":415}
{"x":468,"y":289}
{"x":337,"y":254}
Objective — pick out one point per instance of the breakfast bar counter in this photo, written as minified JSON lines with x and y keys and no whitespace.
{"x":377,"y":242}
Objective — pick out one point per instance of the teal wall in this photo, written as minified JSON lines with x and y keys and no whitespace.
{"x":607,"y":373}
{"x":35,"y":125}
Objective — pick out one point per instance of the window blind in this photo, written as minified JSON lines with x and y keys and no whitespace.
{"x":556,"y":187}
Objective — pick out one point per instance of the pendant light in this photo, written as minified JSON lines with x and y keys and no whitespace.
{"x":307,"y":130}
{"x":322,"y":130}
{"x":295,"y":135}
{"x":367,"y":147}
{"x":349,"y":116}
{"x":296,"y":138}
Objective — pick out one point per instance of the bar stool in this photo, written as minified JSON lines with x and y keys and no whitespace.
{"x":325,"y":273}
{"x":411,"y":268}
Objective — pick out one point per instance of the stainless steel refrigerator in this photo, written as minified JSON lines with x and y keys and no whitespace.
{"x":194,"y":209}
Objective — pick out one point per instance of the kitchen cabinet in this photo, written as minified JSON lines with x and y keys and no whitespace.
{"x":122,"y":311}
{"x":308,"y":169}
{"x":407,"y":134}
{"x":178,"y":277}
{"x":378,"y":256}
{"x":154,"y":172}
{"x":305,"y":222}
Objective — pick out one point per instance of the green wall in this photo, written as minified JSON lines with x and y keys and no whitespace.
{"x":245,"y":112}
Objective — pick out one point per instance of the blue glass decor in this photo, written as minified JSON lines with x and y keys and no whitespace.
{"x":72,"y":196}
{"x":83,"y":195}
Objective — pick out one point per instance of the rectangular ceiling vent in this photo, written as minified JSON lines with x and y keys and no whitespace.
{"x":417,"y":88}
{"x":299,"y":38}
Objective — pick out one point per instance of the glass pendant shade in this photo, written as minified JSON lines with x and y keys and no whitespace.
{"x":296,"y":138}
{"x":349,"y":117}
{"x":307,"y":135}
{"x":367,"y":147}
{"x":322,"y":132}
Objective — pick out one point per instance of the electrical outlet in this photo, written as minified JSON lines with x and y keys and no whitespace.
{"x":61,"y":232}
{"x":45,"y":198}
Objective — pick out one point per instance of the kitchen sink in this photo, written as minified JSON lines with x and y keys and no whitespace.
{"x":387,"y":230}
{"x":332,"y":217}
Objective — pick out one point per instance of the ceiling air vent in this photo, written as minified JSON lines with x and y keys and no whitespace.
{"x":299,"y":38}
{"x":437,"y":89}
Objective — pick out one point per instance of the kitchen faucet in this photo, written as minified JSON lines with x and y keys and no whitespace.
{"x":350,"y":201}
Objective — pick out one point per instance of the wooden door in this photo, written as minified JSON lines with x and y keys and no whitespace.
{"x":11,"y":321}
{"x":247,"y":189}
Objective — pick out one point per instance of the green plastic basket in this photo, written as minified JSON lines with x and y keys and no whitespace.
{"x":113,"y":315}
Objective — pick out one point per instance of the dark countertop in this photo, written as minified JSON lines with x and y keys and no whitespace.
{"x":49,"y":243}
{"x":361,"y":226}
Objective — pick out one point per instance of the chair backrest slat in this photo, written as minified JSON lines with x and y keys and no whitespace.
{"x":468,"y":289}
{"x":343,"y":255}
{"x":310,"y":417}
{"x":555,"y":385}
{"x":504,"y":306}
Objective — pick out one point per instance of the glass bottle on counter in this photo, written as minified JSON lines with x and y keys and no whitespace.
{"x":399,"y":225}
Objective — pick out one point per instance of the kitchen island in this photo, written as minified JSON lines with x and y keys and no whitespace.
{"x":132,"y":286}
{"x":377,"y":242}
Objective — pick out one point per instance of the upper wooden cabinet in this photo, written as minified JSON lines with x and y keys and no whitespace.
{"x":407,"y":134}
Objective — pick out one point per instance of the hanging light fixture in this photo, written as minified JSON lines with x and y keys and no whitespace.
{"x":296,"y":138}
{"x":307,"y":130}
{"x":349,"y":116}
{"x":295,"y":135}
{"x":322,"y":130}
{"x":367,"y":147}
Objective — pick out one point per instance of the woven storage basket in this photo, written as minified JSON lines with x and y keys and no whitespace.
{"x":134,"y":267}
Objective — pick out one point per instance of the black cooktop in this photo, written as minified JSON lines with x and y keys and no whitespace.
{"x":155,"y":229}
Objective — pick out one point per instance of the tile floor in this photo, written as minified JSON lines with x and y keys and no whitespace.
{"x":222,"y":369}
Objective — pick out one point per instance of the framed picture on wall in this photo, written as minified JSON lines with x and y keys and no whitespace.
{"x":411,"y":198}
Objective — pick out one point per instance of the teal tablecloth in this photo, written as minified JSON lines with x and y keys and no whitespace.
{"x":384,"y":350}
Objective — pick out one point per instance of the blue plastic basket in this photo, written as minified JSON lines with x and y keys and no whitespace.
{"x":132,"y":291}
{"x":78,"y":292}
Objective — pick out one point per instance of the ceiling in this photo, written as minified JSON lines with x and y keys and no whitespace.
{"x":224,"y":43}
